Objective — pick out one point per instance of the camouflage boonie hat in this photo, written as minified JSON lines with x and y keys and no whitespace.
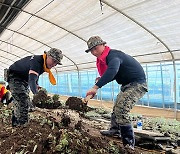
{"x":56,"y":54}
{"x":94,"y":41}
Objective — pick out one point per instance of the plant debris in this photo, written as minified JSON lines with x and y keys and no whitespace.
{"x":63,"y":131}
{"x":42,"y":100}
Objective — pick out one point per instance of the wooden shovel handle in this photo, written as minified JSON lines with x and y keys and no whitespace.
{"x":87,"y":98}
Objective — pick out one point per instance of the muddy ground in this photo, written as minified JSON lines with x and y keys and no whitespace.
{"x":61,"y":130}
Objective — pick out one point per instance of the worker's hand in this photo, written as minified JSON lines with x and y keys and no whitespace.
{"x":39,"y":87}
{"x":97,"y":79}
{"x":92,"y":91}
{"x":87,"y":98}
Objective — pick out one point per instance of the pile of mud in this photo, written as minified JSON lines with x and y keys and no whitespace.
{"x":58,"y":131}
{"x":42,"y":100}
{"x":43,"y":136}
{"x":68,"y":129}
{"x":77,"y":104}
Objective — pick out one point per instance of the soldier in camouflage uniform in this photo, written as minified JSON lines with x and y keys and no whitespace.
{"x":116,"y":65}
{"x":25,"y":73}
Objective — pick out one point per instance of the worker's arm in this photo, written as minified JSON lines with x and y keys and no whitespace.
{"x":92,"y":92}
{"x":33,"y":77}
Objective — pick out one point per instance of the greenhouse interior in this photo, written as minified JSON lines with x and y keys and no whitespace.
{"x":147,"y":30}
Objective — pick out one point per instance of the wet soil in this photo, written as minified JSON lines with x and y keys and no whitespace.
{"x":77,"y":104}
{"x":58,"y":131}
{"x":42,"y":100}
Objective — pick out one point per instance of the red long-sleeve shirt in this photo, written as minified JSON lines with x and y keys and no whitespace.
{"x":3,"y":90}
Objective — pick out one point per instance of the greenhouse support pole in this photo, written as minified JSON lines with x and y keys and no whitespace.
{"x":79,"y":83}
{"x":112,"y":91}
{"x":159,"y":41}
{"x":147,"y":83}
{"x":175,"y":102}
{"x":162,"y":85}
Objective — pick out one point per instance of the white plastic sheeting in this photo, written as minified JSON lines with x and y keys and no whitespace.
{"x":149,"y":30}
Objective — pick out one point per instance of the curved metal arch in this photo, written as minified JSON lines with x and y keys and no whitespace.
{"x":10,"y":53}
{"x":148,"y":54}
{"x":52,"y":24}
{"x":139,"y":24}
{"x":155,"y":36}
{"x":7,"y":58}
{"x":28,"y":51}
{"x":14,"y":1}
{"x":39,"y":42}
{"x":134,"y":57}
{"x":16,"y":46}
{"x":159,"y":61}
{"x":3,"y":67}
{"x":3,"y":64}
{"x":44,"y":20}
{"x":84,"y":39}
{"x":131,"y":20}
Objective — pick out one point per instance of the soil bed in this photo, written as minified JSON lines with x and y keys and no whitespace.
{"x":61,"y":130}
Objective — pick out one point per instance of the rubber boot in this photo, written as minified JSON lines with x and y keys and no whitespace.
{"x":114,"y":128}
{"x":31,"y":107}
{"x":10,"y":100}
{"x":15,"y":122}
{"x":127,"y":135}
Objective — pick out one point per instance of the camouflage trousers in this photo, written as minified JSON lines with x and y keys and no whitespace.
{"x":20,"y":92}
{"x":126,"y":99}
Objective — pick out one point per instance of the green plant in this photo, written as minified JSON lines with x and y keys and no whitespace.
{"x":63,"y":143}
{"x":55,"y":97}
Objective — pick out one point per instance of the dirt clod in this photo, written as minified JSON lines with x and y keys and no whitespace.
{"x":78,"y":126}
{"x":42,"y":100}
{"x":76,"y":104}
{"x":65,"y":121}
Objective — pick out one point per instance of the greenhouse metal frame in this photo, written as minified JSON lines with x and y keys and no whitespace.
{"x":148,"y":30}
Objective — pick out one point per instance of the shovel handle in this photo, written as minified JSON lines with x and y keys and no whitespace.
{"x":87,"y":98}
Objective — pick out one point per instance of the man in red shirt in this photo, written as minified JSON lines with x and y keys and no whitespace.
{"x":5,"y":94}
{"x":116,"y":65}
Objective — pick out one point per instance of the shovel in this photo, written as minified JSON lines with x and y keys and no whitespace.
{"x":87,"y":98}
